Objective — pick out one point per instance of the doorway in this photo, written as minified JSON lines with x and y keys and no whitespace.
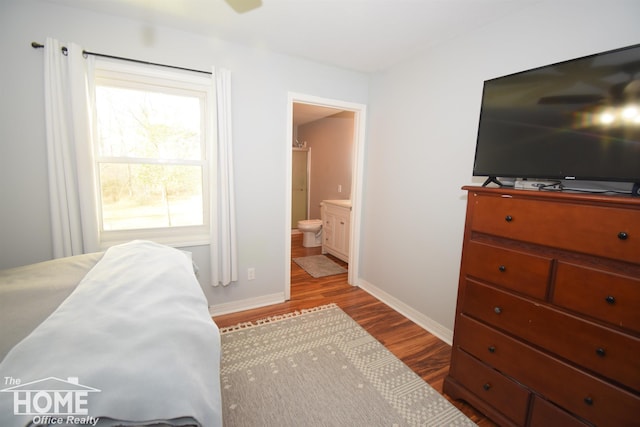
{"x":359,"y":112}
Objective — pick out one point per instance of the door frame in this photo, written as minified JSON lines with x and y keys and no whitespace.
{"x":359,"y":125}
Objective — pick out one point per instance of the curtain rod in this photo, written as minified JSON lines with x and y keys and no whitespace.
{"x":37,"y":45}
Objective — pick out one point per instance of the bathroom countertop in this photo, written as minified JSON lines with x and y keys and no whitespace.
{"x":343,"y":203}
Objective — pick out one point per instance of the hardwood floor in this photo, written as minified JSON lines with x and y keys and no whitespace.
{"x":425,"y":354}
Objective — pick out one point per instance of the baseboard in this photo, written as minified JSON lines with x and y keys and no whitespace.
{"x":246,"y":304}
{"x":410,"y":313}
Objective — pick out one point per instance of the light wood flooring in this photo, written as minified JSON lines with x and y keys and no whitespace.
{"x":425,"y":354}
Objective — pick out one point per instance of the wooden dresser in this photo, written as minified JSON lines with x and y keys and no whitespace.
{"x":547,"y":329}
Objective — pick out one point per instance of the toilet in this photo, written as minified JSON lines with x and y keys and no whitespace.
{"x":312,"y":232}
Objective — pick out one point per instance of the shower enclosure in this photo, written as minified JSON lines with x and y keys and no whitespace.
{"x":299,"y":185}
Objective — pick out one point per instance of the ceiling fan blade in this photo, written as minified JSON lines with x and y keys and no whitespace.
{"x":242,"y":6}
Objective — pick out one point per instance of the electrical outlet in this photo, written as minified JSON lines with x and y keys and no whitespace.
{"x":251,"y":273}
{"x":339,"y":188}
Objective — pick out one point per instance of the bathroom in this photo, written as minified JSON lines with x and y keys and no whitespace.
{"x":322,"y":159}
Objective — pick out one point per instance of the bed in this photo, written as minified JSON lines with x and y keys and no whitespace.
{"x":120,"y":338}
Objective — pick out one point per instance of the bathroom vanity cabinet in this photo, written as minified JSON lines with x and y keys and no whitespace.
{"x":336,"y":221}
{"x":547,"y":328}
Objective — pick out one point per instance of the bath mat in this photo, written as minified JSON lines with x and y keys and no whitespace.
{"x":319,"y":266}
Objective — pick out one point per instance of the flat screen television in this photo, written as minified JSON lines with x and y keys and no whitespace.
{"x":574,"y":120}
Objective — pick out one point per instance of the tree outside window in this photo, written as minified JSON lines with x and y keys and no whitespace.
{"x":150,"y":157}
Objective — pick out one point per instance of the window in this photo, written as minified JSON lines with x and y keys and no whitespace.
{"x":152,"y":154}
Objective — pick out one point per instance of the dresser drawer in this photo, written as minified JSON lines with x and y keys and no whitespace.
{"x":610,"y":297}
{"x":609,"y":353}
{"x":599,"y":230}
{"x":505,"y":395}
{"x":576,"y":391}
{"x":546,"y":414}
{"x":520,"y":271}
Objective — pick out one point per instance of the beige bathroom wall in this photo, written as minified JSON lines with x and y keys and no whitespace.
{"x":331,"y":143}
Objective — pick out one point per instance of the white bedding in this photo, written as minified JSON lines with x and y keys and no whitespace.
{"x":137,"y":328}
{"x":29,"y":294}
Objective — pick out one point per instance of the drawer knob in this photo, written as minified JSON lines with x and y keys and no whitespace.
{"x":610,"y":299}
{"x":623,"y":235}
{"x":588,"y":400}
{"x":601,"y":352}
{"x":502,"y":268}
{"x":508,"y":218}
{"x":492,"y":349}
{"x":486,"y":386}
{"x":497,"y":310}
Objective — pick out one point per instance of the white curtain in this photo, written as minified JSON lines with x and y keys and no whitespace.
{"x":69,"y":156}
{"x":224,"y":259}
{"x":68,"y":101}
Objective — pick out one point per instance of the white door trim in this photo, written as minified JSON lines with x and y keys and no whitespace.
{"x":360,"y":111}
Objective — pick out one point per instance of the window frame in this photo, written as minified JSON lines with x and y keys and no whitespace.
{"x":137,"y":76}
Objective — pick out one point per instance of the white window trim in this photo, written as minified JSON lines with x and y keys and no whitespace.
{"x":180,"y":236}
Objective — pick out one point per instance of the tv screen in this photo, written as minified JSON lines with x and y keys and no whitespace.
{"x":575,"y":120}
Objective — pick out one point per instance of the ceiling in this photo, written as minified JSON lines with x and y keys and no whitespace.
{"x":305,"y":113}
{"x":361,"y":35}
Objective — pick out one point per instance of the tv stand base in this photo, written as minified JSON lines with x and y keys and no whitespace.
{"x":492,"y":179}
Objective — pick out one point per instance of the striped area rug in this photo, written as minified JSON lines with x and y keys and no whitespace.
{"x":319,"y":367}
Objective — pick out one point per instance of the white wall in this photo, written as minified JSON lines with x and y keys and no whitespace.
{"x":261,"y":82}
{"x":423,"y":117}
